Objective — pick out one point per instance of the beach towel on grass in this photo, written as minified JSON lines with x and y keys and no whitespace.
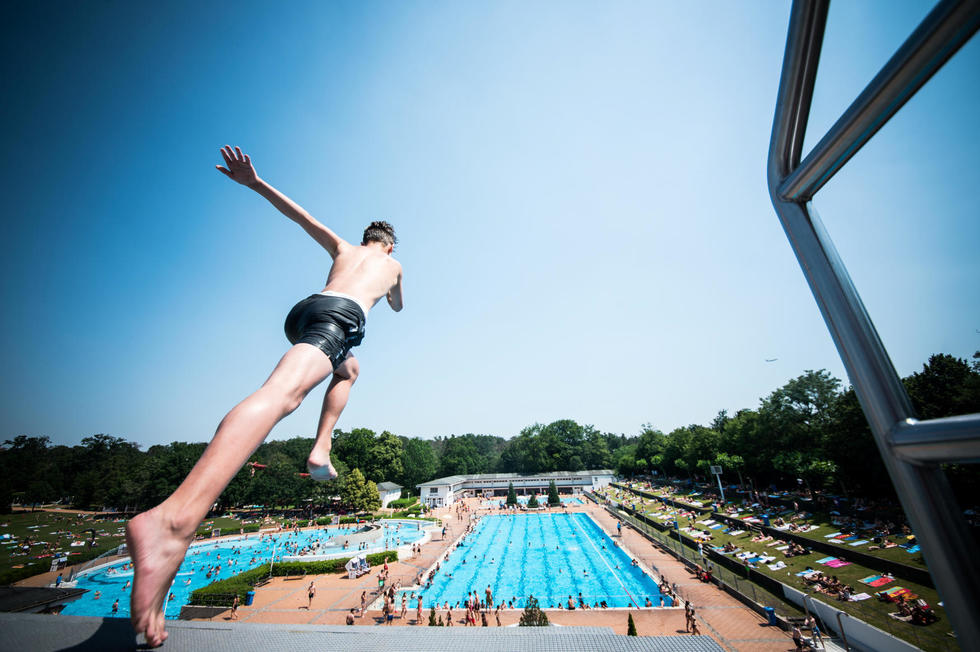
{"x":716,"y":526}
{"x":869,"y":579}
{"x":838,"y":563}
{"x":826,"y":559}
{"x":914,"y":548}
{"x":828,"y":536}
{"x":786,"y":547}
{"x":881,"y":581}
{"x":777,"y":566}
{"x":806,"y":572}
{"x":858,"y":543}
{"x":860,"y":596}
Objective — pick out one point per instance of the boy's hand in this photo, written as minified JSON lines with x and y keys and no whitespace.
{"x":239,"y":166}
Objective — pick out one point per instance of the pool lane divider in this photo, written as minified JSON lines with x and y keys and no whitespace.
{"x":614,"y":574}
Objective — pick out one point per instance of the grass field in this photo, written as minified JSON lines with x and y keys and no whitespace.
{"x":51,"y":533}
{"x":872,"y":611}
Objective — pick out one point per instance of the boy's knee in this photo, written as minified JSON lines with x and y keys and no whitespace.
{"x":349,"y":369}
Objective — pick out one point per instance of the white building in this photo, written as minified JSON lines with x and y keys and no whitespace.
{"x":444,"y":491}
{"x":389,"y":491}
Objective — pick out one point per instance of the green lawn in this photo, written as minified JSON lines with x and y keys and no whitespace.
{"x":60,"y":529}
{"x":932,"y":637}
{"x":55,"y":528}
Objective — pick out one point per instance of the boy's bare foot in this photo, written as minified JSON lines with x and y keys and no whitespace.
{"x":157,"y":551}
{"x":319,"y":470}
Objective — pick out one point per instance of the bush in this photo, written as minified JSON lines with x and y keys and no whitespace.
{"x":533,"y":616}
{"x":630,"y":627}
{"x":403,"y":502}
{"x":244,"y":582}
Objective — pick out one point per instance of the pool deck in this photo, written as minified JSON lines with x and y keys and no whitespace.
{"x":727,"y":621}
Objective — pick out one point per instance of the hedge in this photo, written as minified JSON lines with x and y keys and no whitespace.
{"x":403,"y":502}
{"x":244,"y":582}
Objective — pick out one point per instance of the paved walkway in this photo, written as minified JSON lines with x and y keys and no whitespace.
{"x":730,"y":623}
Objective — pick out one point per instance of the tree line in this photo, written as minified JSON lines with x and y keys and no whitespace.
{"x":810,"y":430}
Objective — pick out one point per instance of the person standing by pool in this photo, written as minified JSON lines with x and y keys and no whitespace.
{"x":310,"y":593}
{"x":322,"y":329}
{"x":234,"y":607}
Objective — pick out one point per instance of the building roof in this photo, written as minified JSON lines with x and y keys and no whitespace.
{"x":456,"y":479}
{"x":388,"y":486}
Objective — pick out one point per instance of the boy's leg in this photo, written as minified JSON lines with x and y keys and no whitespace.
{"x":334,"y":401}
{"x":158,"y":539}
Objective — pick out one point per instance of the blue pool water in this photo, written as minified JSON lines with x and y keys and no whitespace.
{"x":237,"y":555}
{"x":543,"y":555}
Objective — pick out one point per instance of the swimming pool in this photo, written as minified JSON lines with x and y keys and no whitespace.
{"x":549,"y":556}
{"x":235,"y":555}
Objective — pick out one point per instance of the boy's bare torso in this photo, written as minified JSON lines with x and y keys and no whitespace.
{"x":363,"y":272}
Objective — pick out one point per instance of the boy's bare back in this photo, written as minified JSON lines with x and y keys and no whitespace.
{"x":367,"y":273}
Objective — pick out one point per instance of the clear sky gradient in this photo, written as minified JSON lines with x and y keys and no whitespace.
{"x":578,"y":187}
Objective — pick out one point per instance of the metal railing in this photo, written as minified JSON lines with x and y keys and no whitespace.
{"x":911,"y":450}
{"x":119,"y":551}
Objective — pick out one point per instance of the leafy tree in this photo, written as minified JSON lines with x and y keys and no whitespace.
{"x":385,"y":462}
{"x":553,"y":499}
{"x":354,"y":447}
{"x":533,"y":616}
{"x":359,"y":495}
{"x":370,"y":497}
{"x":947,"y":386}
{"x":511,"y":494}
{"x":418,"y":463}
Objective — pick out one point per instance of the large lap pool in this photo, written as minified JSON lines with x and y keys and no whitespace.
{"x":549,"y":556}
{"x":235,"y":555}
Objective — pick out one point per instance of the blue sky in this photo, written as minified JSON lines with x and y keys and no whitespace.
{"x":579,"y":191}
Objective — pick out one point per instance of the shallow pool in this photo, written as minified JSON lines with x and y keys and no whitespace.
{"x":235,"y":555}
{"x":549,"y":556}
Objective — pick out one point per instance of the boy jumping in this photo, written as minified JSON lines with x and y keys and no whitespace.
{"x":322,"y":329}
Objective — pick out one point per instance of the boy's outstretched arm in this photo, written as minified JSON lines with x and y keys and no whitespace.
{"x":240,"y":169}
{"x":395,"y":294}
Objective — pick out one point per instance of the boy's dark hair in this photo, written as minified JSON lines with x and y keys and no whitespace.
{"x":380,"y":231}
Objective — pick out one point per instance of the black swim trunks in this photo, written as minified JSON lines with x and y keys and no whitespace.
{"x":332,"y":324}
